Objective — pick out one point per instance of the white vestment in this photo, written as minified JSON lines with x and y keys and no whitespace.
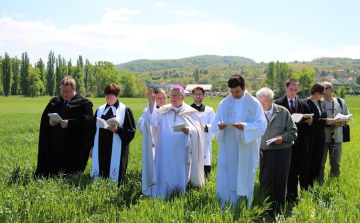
{"x":179,"y":157}
{"x":207,"y":117}
{"x":239,"y":149}
{"x":150,"y":135}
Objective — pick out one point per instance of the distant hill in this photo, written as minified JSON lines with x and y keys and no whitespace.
{"x":189,"y":63}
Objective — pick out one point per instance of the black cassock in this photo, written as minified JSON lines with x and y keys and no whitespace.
{"x":126,"y":133}
{"x":65,"y":150}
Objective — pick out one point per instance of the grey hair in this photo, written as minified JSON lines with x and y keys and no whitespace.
{"x":327,"y":83}
{"x":175,"y":89}
{"x":265,"y":92}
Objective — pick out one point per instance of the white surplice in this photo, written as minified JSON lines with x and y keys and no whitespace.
{"x":239,"y":149}
{"x":178,"y":157}
{"x":207,"y":117}
{"x":150,"y":135}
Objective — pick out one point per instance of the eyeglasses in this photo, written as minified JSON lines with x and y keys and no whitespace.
{"x":198,"y":94}
{"x":175,"y":96}
{"x":66,"y":92}
{"x":328,"y":87}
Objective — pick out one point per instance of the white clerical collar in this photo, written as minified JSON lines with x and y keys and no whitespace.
{"x":176,"y":109}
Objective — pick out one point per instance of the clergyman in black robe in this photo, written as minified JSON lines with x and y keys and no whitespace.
{"x":105,"y":145}
{"x":64,"y":146}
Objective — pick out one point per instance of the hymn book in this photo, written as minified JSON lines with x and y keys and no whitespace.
{"x":297,"y":117}
{"x":55,"y":116}
{"x":104,"y":124}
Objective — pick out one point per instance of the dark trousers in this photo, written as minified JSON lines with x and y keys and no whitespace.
{"x":207,"y":170}
{"x":274,"y":173}
{"x":316,"y":149}
{"x":299,"y":170}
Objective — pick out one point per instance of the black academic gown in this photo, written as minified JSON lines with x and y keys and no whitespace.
{"x":300,"y":163}
{"x":126,"y":133}
{"x":65,"y":150}
{"x":316,"y":139}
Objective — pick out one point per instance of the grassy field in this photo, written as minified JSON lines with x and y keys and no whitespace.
{"x":77,"y":198}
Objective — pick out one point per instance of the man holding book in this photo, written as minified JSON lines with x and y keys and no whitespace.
{"x":64,"y":144}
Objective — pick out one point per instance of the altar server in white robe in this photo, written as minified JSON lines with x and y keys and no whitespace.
{"x":239,"y":124}
{"x":207,"y":115}
{"x":179,"y":155}
{"x":150,"y":136}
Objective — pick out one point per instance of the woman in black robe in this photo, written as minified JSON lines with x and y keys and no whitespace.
{"x":112,"y":109}
{"x":317,"y":131}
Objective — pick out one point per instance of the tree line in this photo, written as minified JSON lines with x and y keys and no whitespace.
{"x":19,"y":77}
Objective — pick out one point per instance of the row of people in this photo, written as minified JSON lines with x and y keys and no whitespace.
{"x":177,"y":139}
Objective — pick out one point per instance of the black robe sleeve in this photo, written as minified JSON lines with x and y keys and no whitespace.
{"x":127,"y":132}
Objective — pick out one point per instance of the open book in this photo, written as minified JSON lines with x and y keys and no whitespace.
{"x":340,"y":117}
{"x":55,"y":116}
{"x":297,"y":117}
{"x":104,"y":124}
{"x":177,"y":128}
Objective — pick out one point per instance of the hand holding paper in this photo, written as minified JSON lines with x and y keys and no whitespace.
{"x":55,"y":116}
{"x":179,"y":127}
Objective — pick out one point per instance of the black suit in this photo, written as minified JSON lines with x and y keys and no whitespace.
{"x":316,"y":138}
{"x":300,"y":165}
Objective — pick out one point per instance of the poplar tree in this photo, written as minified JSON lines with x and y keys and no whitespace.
{"x":16,"y":76}
{"x":40,"y":64}
{"x":6,"y":74}
{"x":50,"y":81}
{"x":24,"y":74}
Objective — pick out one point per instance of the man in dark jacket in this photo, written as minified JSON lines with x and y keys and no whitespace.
{"x":300,"y":166}
{"x":64,"y":145}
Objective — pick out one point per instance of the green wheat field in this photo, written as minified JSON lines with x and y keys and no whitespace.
{"x":77,"y":198}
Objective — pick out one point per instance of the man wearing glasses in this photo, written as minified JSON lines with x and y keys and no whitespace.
{"x":333,"y":131}
{"x":179,"y":154}
{"x":207,"y":116}
{"x":64,"y":145}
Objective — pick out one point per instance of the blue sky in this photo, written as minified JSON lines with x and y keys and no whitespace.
{"x":122,"y":31}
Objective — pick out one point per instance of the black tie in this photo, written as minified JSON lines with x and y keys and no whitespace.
{"x":292,"y":109}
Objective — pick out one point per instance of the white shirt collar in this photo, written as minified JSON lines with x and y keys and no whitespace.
{"x":271,"y":110}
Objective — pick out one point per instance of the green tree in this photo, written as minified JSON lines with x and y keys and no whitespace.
{"x":283,"y":73}
{"x":340,"y":92}
{"x":129,"y":84}
{"x":36,"y":86}
{"x":103,"y":73}
{"x":70,"y":69}
{"x":6,"y":74}
{"x":306,"y":77}
{"x":358,"y":80}
{"x":270,"y":75}
{"x":1,"y":86}
{"x":51,"y":79}
{"x":16,"y":76}
{"x":79,"y":75}
{"x":87,"y":73}
{"x":196,"y":74}
{"x":40,"y":64}
{"x":142,"y":89}
{"x":24,"y":74}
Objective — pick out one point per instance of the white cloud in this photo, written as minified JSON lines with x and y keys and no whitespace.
{"x":159,"y":4}
{"x":38,"y":38}
{"x":18,"y":15}
{"x":118,"y":15}
{"x":190,"y":12}
{"x":311,"y":54}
